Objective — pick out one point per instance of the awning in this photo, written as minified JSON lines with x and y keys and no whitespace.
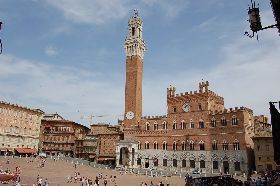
{"x":3,"y":149}
{"x":10,"y":149}
{"x":25,"y":151}
{"x":92,"y":156}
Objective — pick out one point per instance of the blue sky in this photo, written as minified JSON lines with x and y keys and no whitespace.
{"x":67,"y":56}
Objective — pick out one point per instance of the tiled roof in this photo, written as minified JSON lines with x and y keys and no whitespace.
{"x":21,"y":107}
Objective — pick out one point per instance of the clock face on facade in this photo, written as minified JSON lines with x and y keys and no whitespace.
{"x":186,"y":107}
{"x":129,"y":115}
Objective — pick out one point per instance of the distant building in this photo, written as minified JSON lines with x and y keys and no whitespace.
{"x":263,"y":145}
{"x":90,"y":144}
{"x":264,"y":153}
{"x":107,"y":137}
{"x":19,"y":129}
{"x":58,"y":137}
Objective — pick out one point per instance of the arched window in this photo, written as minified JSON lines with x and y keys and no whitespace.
{"x":183,"y":146}
{"x":191,"y":145}
{"x":225,"y":145}
{"x":201,"y":145}
{"x":155,"y":126}
{"x":234,"y":120}
{"x":155,"y":145}
{"x":174,"y":145}
{"x":147,"y":145}
{"x":183,"y":124}
{"x":139,"y":145}
{"x":201,"y":124}
{"x":191,"y":124}
{"x":236,"y":145}
{"x":214,"y":145}
{"x":174,"y":124}
{"x":213,"y":122}
{"x":164,"y":146}
{"x":164,"y":125}
{"x":223,"y":121}
{"x":147,"y":126}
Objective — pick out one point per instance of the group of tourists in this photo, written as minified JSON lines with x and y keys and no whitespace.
{"x":86,"y":181}
{"x":152,"y":184}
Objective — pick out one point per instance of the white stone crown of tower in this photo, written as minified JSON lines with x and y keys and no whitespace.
{"x":134,"y":43}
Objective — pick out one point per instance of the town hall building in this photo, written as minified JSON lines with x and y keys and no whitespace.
{"x":198,"y":132}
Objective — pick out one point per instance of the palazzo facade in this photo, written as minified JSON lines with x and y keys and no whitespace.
{"x":19,"y":129}
{"x":197,"y":133}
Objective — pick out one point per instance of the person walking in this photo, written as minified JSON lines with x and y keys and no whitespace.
{"x":83,"y":181}
{"x":46,"y":182}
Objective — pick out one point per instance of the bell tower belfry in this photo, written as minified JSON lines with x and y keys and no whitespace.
{"x":134,"y":47}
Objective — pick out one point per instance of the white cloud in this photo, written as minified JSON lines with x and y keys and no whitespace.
{"x":91,"y":11}
{"x":61,"y":89}
{"x":50,"y":51}
{"x":102,"y":11}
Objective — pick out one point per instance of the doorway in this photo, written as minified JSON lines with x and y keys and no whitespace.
{"x":226,"y":167}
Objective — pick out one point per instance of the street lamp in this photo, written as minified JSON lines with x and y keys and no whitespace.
{"x":255,"y":19}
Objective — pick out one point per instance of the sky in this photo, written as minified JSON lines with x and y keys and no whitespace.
{"x":67,"y":56}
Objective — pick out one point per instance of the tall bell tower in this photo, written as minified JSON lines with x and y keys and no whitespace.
{"x":134,"y":48}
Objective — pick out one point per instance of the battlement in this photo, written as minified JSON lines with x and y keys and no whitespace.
{"x":203,"y":90}
{"x":154,"y":117}
{"x":211,"y":93}
{"x":231,"y":110}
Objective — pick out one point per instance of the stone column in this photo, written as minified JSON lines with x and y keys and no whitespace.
{"x":129,"y":160}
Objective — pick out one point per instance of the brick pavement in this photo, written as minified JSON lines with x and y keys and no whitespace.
{"x":58,"y":171}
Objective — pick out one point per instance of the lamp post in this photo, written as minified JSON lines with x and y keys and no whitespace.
{"x":0,"y":38}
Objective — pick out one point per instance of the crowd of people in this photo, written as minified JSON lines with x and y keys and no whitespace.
{"x":86,"y":181}
{"x":264,"y":179}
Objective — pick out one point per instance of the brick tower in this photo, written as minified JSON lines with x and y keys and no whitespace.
{"x":134,"y":47}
